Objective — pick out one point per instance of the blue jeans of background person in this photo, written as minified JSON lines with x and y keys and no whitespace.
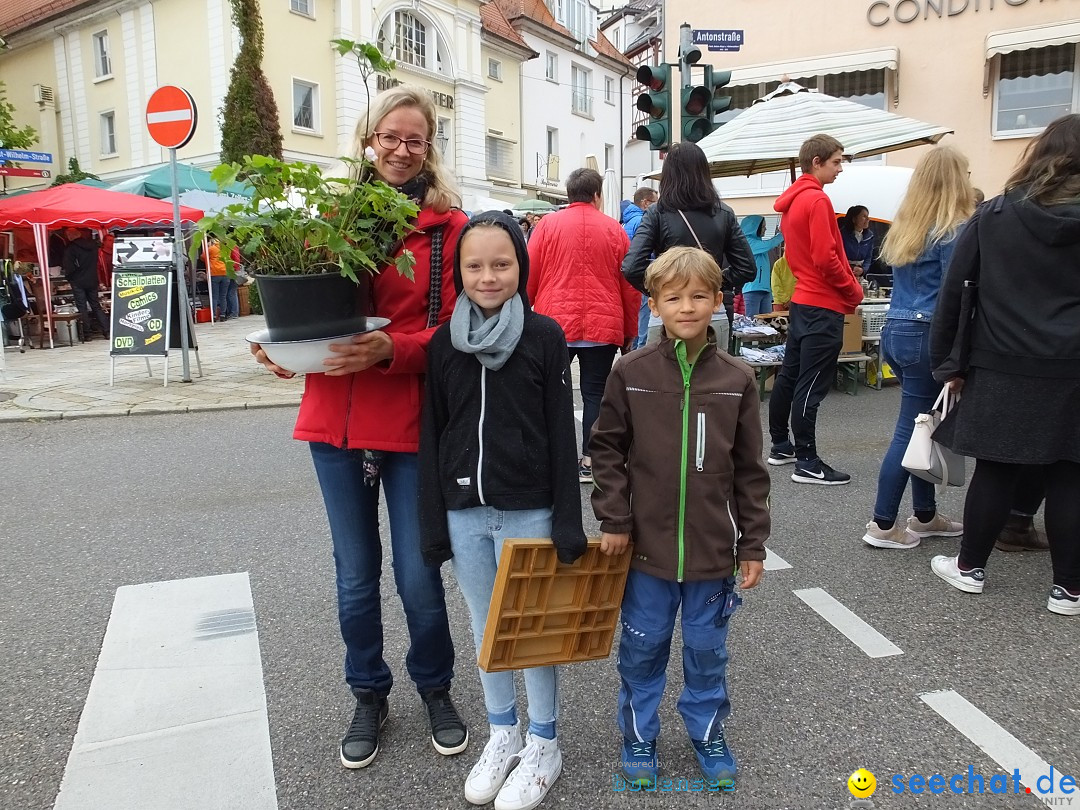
{"x":594,"y":365}
{"x":353,"y":510}
{"x":476,"y":537}
{"x":219,"y":289}
{"x":905,"y":346}
{"x":232,"y":300}
{"x":642,"y":324}
{"x":648,"y":617}
{"x":757,"y":302}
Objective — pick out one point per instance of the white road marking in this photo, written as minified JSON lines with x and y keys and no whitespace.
{"x":578,"y":415}
{"x":774,"y":562}
{"x":865,"y":637}
{"x":176,"y":712}
{"x":996,"y":743}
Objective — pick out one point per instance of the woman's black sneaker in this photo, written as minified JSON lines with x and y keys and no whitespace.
{"x":817,"y":471}
{"x":448,"y":733}
{"x":361,"y":742}
{"x":782,"y":454}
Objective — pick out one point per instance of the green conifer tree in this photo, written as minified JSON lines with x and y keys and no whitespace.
{"x":249,"y":118}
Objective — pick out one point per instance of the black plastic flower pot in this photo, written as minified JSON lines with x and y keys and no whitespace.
{"x":310,"y":307}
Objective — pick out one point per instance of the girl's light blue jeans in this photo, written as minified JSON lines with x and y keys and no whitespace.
{"x":476,"y":538}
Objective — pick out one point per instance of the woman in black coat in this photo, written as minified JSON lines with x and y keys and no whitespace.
{"x":1017,"y":360}
{"x":690,"y":214}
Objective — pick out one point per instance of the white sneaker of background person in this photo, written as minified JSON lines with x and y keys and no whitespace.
{"x":497,"y":760}
{"x":539,"y":765}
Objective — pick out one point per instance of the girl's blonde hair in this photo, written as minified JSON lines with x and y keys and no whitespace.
{"x":681,"y":265}
{"x":442,"y":193}
{"x":938,"y":201}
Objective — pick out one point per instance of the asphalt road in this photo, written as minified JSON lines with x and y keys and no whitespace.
{"x":91,"y":505}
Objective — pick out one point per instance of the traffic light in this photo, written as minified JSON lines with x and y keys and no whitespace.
{"x":656,"y":101}
{"x":700,"y":104}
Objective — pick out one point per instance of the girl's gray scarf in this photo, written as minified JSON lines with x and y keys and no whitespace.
{"x":492,"y":339}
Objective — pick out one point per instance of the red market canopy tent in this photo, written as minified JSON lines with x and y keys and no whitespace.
{"x":81,"y":206}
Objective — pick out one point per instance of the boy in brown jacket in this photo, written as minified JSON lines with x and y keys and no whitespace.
{"x":677,"y":462}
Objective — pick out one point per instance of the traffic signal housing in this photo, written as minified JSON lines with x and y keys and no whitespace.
{"x":702,"y":103}
{"x":656,"y":101}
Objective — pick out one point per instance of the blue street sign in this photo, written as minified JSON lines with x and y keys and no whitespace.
{"x":29,"y":157}
{"x":726,"y":39}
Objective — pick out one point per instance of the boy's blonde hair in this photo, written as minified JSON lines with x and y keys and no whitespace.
{"x":680,"y":266}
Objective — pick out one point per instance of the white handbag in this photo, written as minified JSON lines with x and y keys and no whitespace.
{"x":925,"y":458}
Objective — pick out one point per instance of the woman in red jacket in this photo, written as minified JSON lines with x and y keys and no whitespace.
{"x":362,"y":418}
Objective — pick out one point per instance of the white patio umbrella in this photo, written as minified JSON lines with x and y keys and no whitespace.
{"x":767,"y":136}
{"x":612,"y":198}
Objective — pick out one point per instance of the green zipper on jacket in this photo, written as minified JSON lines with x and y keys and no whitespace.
{"x":686,"y":368}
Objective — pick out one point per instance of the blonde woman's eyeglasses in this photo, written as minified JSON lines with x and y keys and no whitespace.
{"x":416,"y":146}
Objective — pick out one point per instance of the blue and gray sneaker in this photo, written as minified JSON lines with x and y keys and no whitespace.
{"x":716,"y":759}
{"x":639,"y":764}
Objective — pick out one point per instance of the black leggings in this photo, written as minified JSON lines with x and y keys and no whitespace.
{"x":990,"y":495}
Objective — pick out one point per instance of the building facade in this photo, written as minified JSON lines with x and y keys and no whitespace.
{"x":994,"y":71}
{"x":80,"y":73}
{"x":573,"y":95}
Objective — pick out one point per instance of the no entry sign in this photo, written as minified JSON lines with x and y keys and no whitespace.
{"x":171,"y":116}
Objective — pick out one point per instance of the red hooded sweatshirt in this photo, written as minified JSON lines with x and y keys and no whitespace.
{"x":815,"y":250}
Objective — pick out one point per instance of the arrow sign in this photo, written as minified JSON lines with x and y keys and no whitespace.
{"x":27,"y":157}
{"x":142,"y":250}
{"x":11,"y":171}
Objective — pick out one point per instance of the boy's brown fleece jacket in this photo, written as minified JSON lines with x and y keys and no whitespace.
{"x":651,"y":430}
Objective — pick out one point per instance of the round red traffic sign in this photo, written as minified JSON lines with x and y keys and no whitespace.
{"x":171,"y":116}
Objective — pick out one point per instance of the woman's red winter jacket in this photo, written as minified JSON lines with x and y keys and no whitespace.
{"x":379,"y":408}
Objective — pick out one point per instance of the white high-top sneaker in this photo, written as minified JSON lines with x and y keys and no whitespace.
{"x":539,"y":765}
{"x":496,"y":761}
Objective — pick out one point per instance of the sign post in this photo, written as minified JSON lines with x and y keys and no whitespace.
{"x":171,"y":117}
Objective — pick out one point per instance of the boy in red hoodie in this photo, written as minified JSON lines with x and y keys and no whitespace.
{"x":825,"y":290}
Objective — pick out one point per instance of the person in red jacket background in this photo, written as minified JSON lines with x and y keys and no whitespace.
{"x":575,"y":278}
{"x":825,"y":290}
{"x":362,"y":419}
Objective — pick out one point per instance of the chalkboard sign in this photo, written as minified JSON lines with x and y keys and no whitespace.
{"x":140,"y":313}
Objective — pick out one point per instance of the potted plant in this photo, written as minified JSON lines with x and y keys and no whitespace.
{"x":311,"y":240}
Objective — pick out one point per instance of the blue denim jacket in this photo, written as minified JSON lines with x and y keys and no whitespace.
{"x":916,"y":285}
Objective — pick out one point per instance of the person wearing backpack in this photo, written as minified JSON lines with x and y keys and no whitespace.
{"x":80,"y":265}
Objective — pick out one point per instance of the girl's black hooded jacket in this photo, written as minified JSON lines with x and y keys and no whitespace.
{"x":505,"y":438}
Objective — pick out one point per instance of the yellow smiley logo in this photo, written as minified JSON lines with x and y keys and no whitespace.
{"x":862,"y":784}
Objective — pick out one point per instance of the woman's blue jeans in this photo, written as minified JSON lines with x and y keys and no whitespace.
{"x":757,"y":302}
{"x":353,"y":510}
{"x":905,"y":345}
{"x":476,"y":537}
{"x":219,"y":286}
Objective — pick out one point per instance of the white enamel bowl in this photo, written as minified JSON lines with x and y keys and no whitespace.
{"x":305,"y":356}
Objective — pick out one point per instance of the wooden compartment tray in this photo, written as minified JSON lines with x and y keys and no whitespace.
{"x":543,"y":612}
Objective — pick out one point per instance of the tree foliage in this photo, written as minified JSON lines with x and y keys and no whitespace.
{"x":12,"y":136}
{"x":74,"y":174}
{"x":249,"y":118}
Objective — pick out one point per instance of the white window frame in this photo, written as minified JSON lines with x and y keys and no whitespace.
{"x":102,"y":60}
{"x":495,"y":70}
{"x":506,"y":147}
{"x":551,"y":66}
{"x":107,"y":131}
{"x":1030,"y":132}
{"x":305,"y":8}
{"x":609,"y":90}
{"x":433,"y":57}
{"x":581,"y":91}
{"x":314,"y":129}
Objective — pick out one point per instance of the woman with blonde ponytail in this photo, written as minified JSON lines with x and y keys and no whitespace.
{"x":939,"y":200}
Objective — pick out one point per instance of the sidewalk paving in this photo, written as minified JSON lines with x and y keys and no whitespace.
{"x":70,"y":382}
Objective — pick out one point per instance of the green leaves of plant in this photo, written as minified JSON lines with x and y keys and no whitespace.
{"x":300,"y":221}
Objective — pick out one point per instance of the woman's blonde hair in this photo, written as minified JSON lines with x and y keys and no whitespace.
{"x":681,"y":265}
{"x":442,"y":193}
{"x":938,"y":201}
